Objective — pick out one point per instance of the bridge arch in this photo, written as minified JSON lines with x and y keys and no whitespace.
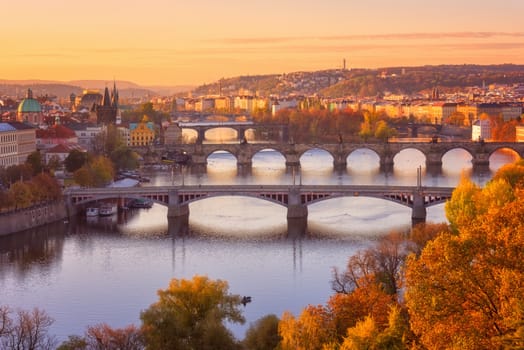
{"x":307,"y":163}
{"x":158,"y":199}
{"x":219,"y":150}
{"x":371,"y":156}
{"x":402,"y":160}
{"x":221,"y":133}
{"x":506,"y":147}
{"x":279,"y":199}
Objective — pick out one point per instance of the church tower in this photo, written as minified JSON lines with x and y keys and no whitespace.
{"x":107,"y":110}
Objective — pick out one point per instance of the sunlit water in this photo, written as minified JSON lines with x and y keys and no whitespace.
{"x":108,"y":270}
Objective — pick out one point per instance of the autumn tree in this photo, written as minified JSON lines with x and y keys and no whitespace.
{"x":311,"y":330}
{"x":380,"y":264}
{"x":466,"y":290}
{"x":263,"y":334}
{"x":24,"y":329}
{"x":97,"y":172}
{"x":21,"y":195}
{"x":104,"y":337}
{"x":190,"y":314}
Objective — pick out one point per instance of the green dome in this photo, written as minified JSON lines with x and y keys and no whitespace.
{"x":29,"y":104}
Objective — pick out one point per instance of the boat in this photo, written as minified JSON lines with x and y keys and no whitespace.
{"x":107,"y":209}
{"x":91,"y":211}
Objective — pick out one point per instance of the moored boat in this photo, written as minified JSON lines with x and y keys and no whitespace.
{"x":107,"y":209}
{"x":92,"y":211}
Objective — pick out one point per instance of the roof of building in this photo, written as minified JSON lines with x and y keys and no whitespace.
{"x":5,"y":127}
{"x":29,"y":104}
{"x":65,"y":148}
{"x":57,"y":131}
{"x":13,"y":126}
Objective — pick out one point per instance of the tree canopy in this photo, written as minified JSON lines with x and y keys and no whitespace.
{"x":190,"y":314}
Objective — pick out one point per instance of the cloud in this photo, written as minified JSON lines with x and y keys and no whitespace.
{"x":356,"y":37}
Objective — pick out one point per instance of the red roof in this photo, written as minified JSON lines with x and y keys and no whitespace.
{"x":55,"y":132}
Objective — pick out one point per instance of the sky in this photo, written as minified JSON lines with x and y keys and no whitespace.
{"x":192,"y":42}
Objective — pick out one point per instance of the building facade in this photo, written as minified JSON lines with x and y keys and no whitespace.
{"x":141,"y":134}
{"x":17,"y":141}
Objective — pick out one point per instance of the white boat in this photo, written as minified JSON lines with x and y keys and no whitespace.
{"x":92,"y":211}
{"x":107,"y":209}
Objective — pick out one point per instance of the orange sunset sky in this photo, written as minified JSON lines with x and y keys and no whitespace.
{"x":172,"y":42}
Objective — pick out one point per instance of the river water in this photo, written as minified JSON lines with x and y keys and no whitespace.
{"x":109,"y":269}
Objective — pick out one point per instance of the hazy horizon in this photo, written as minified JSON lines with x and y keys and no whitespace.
{"x":167,"y":44}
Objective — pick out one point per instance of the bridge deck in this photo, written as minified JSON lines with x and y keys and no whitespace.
{"x":282,"y":194}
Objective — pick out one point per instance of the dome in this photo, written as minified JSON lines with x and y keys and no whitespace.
{"x":29,"y":104}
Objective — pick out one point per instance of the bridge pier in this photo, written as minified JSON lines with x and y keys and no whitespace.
{"x":340,"y":164}
{"x":386,"y":164}
{"x":177,"y":215}
{"x":480,"y":163}
{"x":418,"y":213}
{"x":296,"y":214}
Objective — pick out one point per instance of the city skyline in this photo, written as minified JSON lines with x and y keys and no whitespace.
{"x":165,"y":43}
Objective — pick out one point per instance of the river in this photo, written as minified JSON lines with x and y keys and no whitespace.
{"x":108,"y":270}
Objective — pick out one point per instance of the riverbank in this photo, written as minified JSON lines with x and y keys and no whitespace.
{"x":20,"y":220}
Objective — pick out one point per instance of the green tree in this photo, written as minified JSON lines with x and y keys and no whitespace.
{"x":75,"y":160}
{"x":190,"y":314}
{"x":263,"y":334}
{"x":125,"y":158}
{"x":35,"y":161}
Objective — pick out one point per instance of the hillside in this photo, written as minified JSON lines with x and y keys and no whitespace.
{"x":369,"y":82}
{"x":126,"y":89}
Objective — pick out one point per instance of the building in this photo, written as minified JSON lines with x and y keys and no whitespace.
{"x":141,"y":134}
{"x":86,"y":133}
{"x":30,"y":110}
{"x":107,"y":110}
{"x":61,"y":152}
{"x":172,"y":134}
{"x":17,"y":141}
{"x":519,"y":133}
{"x":55,"y":135}
{"x":481,"y":130}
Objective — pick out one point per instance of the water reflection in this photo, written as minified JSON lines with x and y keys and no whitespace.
{"x":108,"y":270}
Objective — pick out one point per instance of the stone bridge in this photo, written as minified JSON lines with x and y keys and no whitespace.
{"x":295,"y":198}
{"x":433,"y":151}
{"x":240,"y":127}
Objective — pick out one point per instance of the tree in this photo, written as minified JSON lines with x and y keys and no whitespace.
{"x":467,"y":290}
{"x":34,"y":159}
{"x":124,"y":158}
{"x":380,"y":264}
{"x":21,"y":195}
{"x":107,"y":141}
{"x":75,"y":160}
{"x":103,"y":337}
{"x":190,"y":314}
{"x":97,"y":172}
{"x":27,"y":330}
{"x":461,"y":207}
{"x":263,"y":334}
{"x":310,"y":331}
{"x":383,"y":131}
